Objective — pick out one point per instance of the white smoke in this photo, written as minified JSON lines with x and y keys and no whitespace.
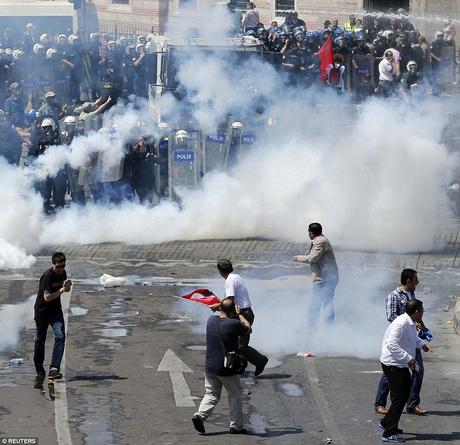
{"x":375,"y":175}
{"x":13,"y":318}
{"x":13,"y":257}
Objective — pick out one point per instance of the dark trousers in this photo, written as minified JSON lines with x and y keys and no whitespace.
{"x":56,"y":321}
{"x":416,"y":386}
{"x":252,"y":355}
{"x":399,"y":381}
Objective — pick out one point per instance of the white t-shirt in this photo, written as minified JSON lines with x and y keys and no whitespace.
{"x":235,"y":287}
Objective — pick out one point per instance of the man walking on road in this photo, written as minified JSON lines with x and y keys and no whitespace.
{"x":325,"y":274}
{"x":236,"y":290}
{"x":48,"y":312}
{"x":222,"y":335}
{"x":400,"y":342}
{"x":395,"y":306}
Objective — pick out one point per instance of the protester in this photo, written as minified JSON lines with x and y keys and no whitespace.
{"x":325,"y":275}
{"x":395,"y":304}
{"x":251,"y":19}
{"x":236,"y":290}
{"x":48,"y":312}
{"x":222,"y":334}
{"x":399,"y":347}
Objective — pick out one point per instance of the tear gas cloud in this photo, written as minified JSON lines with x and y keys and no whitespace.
{"x":281,"y":307}
{"x":13,"y":318}
{"x":375,"y":175}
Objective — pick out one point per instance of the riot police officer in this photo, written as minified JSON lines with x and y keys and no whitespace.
{"x":67,"y":136}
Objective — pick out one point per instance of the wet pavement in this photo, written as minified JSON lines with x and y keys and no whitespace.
{"x":114,"y":394}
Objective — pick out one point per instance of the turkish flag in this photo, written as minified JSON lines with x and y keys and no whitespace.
{"x":325,"y":56}
{"x":203,"y":296}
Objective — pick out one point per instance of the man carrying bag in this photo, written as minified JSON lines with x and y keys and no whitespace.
{"x":223,"y":365}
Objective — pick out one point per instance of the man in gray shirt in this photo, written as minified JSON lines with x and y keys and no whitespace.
{"x":325,"y":274}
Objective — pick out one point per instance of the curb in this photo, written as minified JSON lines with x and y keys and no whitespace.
{"x":456,"y":318}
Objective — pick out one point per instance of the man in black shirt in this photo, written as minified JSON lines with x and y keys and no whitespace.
{"x":222,"y":331}
{"x":48,"y":312}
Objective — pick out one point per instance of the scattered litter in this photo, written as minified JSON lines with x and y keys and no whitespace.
{"x":76,"y":311}
{"x":110,"y":281}
{"x":305,"y":354}
{"x":146,"y":283}
{"x":316,"y":380}
{"x":328,"y":440}
{"x":16,"y":362}
{"x":446,"y":308}
{"x":453,"y":297}
{"x":427,"y":290}
{"x":449,"y":321}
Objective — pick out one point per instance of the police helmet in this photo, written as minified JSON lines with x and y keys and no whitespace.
{"x":142,"y":40}
{"x":62,"y":38}
{"x":129,"y":49}
{"x":51,"y":53}
{"x":71,"y":38}
{"x":140,"y":47}
{"x":17,"y":54}
{"x":251,"y":33}
{"x":44,"y":39}
{"x":237,"y":125}
{"x":439,"y":34}
{"x":93,"y":37}
{"x":38,"y":48}
{"x":47,"y":123}
{"x":411,"y":64}
{"x":30,"y":26}
{"x":8,"y":51}
{"x":112,"y":44}
{"x":123,"y":40}
{"x":181,"y":136}
{"x":70,"y":120}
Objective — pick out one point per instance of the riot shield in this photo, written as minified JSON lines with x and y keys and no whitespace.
{"x":109,"y":169}
{"x":362,"y":66}
{"x":447,"y":68}
{"x":215,"y":151}
{"x":185,"y":162}
{"x":239,"y":142}
{"x":87,"y":172}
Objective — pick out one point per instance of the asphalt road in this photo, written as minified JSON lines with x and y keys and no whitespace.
{"x":113,"y":392}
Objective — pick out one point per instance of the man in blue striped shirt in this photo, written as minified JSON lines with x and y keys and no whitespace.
{"x":395,"y":305}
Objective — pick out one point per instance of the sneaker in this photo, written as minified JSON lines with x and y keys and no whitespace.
{"x":260,"y":369}
{"x":234,"y":430}
{"x":54,"y":374}
{"x":395,"y":438}
{"x":398,"y":430}
{"x":198,"y":424}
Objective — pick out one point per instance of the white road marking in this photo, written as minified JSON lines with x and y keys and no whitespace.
{"x":176,"y":367}
{"x":61,"y":416}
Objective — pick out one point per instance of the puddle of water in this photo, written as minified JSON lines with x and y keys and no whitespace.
{"x":196,"y":347}
{"x":257,"y":422}
{"x":163,"y":322}
{"x":114,"y":332}
{"x":124,"y":314}
{"x":291,"y":389}
{"x":77,"y":311}
{"x":112,"y":323}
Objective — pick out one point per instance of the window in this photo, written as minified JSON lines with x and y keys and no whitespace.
{"x":283,"y":5}
{"x":120,"y":2}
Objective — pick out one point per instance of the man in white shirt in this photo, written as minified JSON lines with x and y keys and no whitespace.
{"x":236,"y":290}
{"x":398,"y":355}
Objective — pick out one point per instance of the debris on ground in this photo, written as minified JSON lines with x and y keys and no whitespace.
{"x":305,"y":354}
{"x":110,"y":281}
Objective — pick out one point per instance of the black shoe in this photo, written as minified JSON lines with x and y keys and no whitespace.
{"x":54,"y":374}
{"x":198,"y":424}
{"x":260,"y":369}
{"x":398,"y":430}
{"x":233,"y":430}
{"x":39,"y":379}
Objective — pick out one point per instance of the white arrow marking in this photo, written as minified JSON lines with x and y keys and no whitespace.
{"x":176,"y":367}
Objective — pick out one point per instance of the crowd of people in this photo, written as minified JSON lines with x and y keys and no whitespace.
{"x":360,"y":49}
{"x":54,"y":88}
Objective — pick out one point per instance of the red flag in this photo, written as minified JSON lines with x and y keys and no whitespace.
{"x":203,"y":296}
{"x":325,"y":56}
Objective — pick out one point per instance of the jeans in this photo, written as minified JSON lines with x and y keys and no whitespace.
{"x":416,"y":386}
{"x":213,"y":385}
{"x":399,"y":381}
{"x":322,"y":295}
{"x":56,"y":321}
